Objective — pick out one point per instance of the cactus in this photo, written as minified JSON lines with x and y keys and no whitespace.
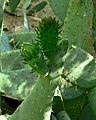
{"x":87,"y":113}
{"x":92,"y":100}
{"x":78,"y":24}
{"x":16,"y":40}
{"x":21,"y":85}
{"x":11,"y":62}
{"x":37,"y":8}
{"x":49,"y":56}
{"x":38,"y":105}
{"x":79,"y":68}
{"x":13,"y":5}
{"x":49,"y":45}
{"x":39,"y":57}
{"x":1,"y":14}
{"x":63,"y":116}
{"x":60,"y":8}
{"x":94,"y":25}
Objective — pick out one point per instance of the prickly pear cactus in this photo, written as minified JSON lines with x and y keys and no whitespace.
{"x":92,"y":100}
{"x":78,"y":24}
{"x":38,"y":105}
{"x":94,"y":25}
{"x":79,"y":68}
{"x":1,"y":15}
{"x":60,"y":8}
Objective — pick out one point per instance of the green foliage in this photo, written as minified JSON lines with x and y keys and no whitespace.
{"x":39,"y":101}
{"x":63,"y":116}
{"x":70,"y":91}
{"x":87,"y":113}
{"x":48,"y":34}
{"x":47,"y":83}
{"x":74,"y":106}
{"x":37,"y":8}
{"x":58,"y":105}
{"x":94,"y":26}
{"x":78,"y":24}
{"x":5,"y":46}
{"x":60,"y":8}
{"x":10,"y":61}
{"x":13,"y":4}
{"x":26,"y":4}
{"x":50,"y":52}
{"x":79,"y":68}
{"x":30,"y":52}
{"x":20,"y":38}
{"x":34,"y":57}
{"x":92,"y":100}
{"x":1,"y":17}
{"x":15,"y":84}
{"x":13,"y":74}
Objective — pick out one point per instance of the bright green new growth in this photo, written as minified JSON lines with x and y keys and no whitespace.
{"x":30,"y":53}
{"x":34,"y":57}
{"x":41,"y":53}
{"x":48,"y":34}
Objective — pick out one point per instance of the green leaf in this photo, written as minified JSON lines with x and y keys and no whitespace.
{"x":13,"y":4}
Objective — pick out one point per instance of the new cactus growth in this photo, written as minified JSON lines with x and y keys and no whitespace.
{"x":39,"y":55}
{"x":48,"y":34}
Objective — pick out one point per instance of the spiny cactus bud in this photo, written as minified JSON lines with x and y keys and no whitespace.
{"x":48,"y":34}
{"x":29,"y":51}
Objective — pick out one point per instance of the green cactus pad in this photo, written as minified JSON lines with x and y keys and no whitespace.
{"x":18,"y":83}
{"x":78,"y":24}
{"x":60,"y":8}
{"x":38,"y":105}
{"x":79,"y":68}
{"x":92,"y":100}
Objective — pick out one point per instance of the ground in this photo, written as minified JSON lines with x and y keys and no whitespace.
{"x":14,"y":24}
